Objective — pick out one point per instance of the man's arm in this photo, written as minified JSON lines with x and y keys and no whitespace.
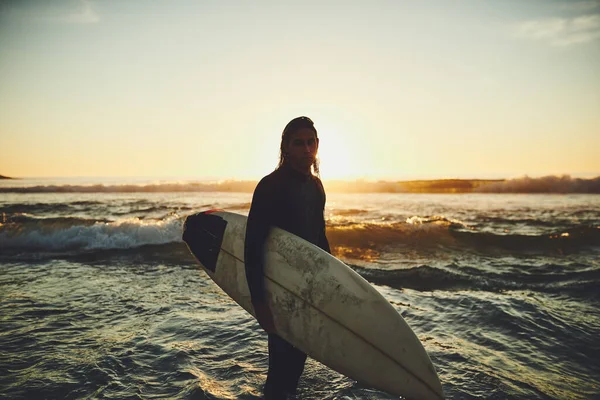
{"x":323,"y":242}
{"x":257,"y":230}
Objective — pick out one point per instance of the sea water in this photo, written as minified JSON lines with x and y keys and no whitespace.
{"x":100,"y":298}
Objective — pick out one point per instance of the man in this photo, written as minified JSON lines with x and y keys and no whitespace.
{"x":293,"y":199}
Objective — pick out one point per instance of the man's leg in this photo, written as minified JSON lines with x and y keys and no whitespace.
{"x":275,"y":388}
{"x":286,"y":364}
{"x":296,"y":361}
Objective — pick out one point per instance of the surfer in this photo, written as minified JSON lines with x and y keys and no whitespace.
{"x":292,"y":198}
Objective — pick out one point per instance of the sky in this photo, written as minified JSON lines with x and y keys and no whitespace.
{"x":203,"y":89}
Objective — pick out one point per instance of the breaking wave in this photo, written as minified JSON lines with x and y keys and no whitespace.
{"x":176,"y":187}
{"x":366,"y":241}
{"x":547,"y":184}
{"x":28,"y":233}
{"x":364,"y":238}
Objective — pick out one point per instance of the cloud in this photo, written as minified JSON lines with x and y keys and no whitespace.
{"x":561,"y":31}
{"x":84,"y":14}
{"x":77,"y":12}
{"x":581,"y":6}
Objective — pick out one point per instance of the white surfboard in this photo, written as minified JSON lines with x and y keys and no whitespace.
{"x":319,"y":305}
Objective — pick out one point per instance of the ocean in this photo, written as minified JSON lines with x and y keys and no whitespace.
{"x":100,"y":298}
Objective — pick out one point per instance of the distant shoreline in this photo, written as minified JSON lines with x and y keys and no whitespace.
{"x":548,"y":184}
{"x":5,"y":177}
{"x":412,"y":186}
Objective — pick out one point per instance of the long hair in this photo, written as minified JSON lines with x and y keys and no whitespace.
{"x":293,"y":126}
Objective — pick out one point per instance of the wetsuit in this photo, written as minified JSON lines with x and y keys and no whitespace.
{"x":292,"y":201}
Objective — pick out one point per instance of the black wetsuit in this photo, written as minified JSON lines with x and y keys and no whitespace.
{"x":292,"y":201}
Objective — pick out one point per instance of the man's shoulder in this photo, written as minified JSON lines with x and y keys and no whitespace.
{"x":319,"y":182}
{"x":271,"y":178}
{"x":269,"y":182}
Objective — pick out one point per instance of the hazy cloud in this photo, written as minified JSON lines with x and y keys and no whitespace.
{"x":581,"y":6}
{"x":561,"y":31}
{"x":82,"y":14}
{"x":61,"y":12}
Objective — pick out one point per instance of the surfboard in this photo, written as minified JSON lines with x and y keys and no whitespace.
{"x":319,"y":305}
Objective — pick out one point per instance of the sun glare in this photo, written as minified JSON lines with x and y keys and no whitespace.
{"x":336,"y":154}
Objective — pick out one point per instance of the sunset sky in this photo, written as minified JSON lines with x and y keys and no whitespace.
{"x":203,"y":89}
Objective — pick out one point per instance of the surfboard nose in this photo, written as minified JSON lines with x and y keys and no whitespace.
{"x":203,"y":233}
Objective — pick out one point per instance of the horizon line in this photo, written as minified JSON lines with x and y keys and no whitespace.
{"x":407,"y":178}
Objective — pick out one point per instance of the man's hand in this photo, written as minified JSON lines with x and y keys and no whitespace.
{"x":264,"y":316}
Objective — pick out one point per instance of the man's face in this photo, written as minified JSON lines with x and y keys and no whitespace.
{"x":302,"y":148}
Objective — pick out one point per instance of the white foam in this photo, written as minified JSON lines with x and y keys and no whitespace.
{"x":546,"y":184}
{"x":172,"y":187}
{"x":121,"y":234}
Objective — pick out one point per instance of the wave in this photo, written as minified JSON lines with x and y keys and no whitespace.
{"x":226,"y":186}
{"x":581,"y":281}
{"x":380,"y":235}
{"x":554,"y":222}
{"x":42,"y":208}
{"x":546,"y":184}
{"x":453,"y":277}
{"x":349,"y":212}
{"x":366,"y":241}
{"x":138,"y":208}
{"x":159,"y":241}
{"x":422,"y":277}
{"x":560,"y":242}
{"x":69,"y":234}
{"x":31,"y":222}
{"x":153,"y":209}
